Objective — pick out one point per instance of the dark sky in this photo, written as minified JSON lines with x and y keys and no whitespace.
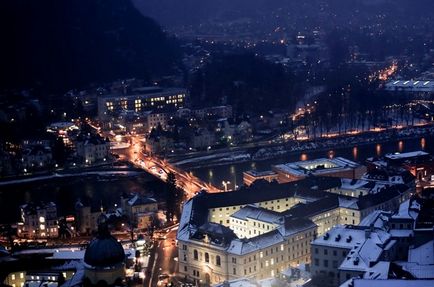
{"x":175,"y":12}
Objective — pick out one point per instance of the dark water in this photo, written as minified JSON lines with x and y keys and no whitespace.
{"x":234,"y":172}
{"x":65,"y":191}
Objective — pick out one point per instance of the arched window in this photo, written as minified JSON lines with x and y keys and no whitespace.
{"x":206,"y":257}
{"x":218,"y":261}
{"x":195,"y":254}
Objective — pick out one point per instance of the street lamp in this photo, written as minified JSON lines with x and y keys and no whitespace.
{"x":225,"y":184}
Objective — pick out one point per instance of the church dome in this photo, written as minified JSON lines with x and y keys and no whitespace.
{"x":104,"y":250}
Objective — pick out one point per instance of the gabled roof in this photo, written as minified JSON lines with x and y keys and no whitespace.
{"x":257,"y":213}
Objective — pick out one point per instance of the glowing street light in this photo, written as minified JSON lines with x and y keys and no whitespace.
{"x":225,"y":184}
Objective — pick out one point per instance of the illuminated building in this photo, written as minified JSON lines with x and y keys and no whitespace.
{"x":92,"y":148}
{"x":38,"y":221}
{"x":140,"y":100}
{"x":336,"y":167}
{"x":261,"y":230}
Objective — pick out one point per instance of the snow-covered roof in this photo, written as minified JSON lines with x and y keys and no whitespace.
{"x":352,"y":184}
{"x":391,"y":282}
{"x":243,"y":282}
{"x":184,"y":223}
{"x":317,"y":166}
{"x":68,"y":254}
{"x":254,"y":244}
{"x":419,"y":271}
{"x":362,"y":256}
{"x":347,"y":202}
{"x":347,"y":237}
{"x":407,"y":211}
{"x":405,"y":155}
{"x":258,"y":213}
{"x":401,"y":233}
{"x":423,"y":254}
{"x":411,"y":85}
{"x":289,"y":226}
{"x":377,"y":219}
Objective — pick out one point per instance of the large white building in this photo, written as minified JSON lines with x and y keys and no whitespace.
{"x":142,"y":99}
{"x":261,"y":230}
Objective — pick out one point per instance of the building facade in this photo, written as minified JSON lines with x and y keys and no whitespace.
{"x":143,"y":99}
{"x":337,"y":167}
{"x":38,"y":221}
{"x":260,"y":230}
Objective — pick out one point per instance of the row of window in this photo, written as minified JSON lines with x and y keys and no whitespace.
{"x":217,"y":258}
{"x":335,"y":252}
{"x":326,"y":263}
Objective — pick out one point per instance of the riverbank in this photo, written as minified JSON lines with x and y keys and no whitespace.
{"x":322,"y":144}
{"x":103,"y":171}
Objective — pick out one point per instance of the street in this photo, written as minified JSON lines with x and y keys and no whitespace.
{"x":162,"y":260}
{"x":161,"y":168}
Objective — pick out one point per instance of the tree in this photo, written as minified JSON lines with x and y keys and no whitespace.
{"x":174,"y":198}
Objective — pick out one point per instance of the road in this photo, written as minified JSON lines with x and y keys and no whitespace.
{"x":163,"y":259}
{"x":161,"y":168}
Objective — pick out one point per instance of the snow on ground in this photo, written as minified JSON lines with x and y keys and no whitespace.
{"x":58,"y":175}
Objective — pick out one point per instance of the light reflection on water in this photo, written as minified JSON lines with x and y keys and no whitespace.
{"x":217,"y":174}
{"x":355,"y":153}
{"x":378,"y":149}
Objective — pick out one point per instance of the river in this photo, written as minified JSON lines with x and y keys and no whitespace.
{"x":234,"y":172}
{"x":65,"y":192}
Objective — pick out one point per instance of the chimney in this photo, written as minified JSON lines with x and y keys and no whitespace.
{"x":367,"y":233}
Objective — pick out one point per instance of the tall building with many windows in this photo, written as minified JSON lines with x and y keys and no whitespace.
{"x":140,"y":100}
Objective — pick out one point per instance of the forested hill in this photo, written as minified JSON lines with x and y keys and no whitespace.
{"x":61,"y":44}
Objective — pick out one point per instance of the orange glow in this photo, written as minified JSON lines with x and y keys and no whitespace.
{"x":385,"y":74}
{"x":355,"y":152}
{"x":400,"y":146}
{"x":303,"y":157}
{"x":331,"y":154}
{"x":331,"y":135}
{"x":355,"y":132}
{"x":377,"y":129}
{"x":378,"y":149}
{"x":422,"y":143}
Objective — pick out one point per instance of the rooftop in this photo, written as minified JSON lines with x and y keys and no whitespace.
{"x":391,"y":282}
{"x":317,"y":166}
{"x":256,"y":173}
{"x":412,"y":85}
{"x":423,"y":255}
{"x":258,"y":213}
{"x":406,"y":155}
